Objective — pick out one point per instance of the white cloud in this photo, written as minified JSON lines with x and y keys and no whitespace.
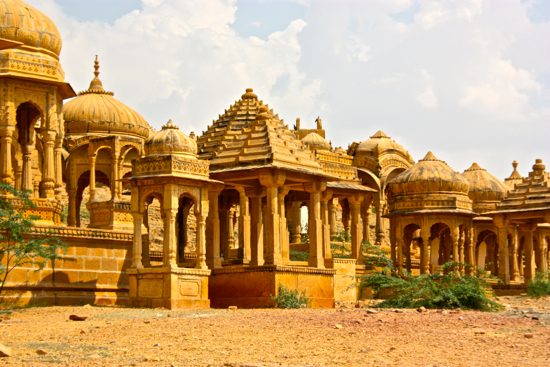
{"x":427,"y":98}
{"x":456,"y":81}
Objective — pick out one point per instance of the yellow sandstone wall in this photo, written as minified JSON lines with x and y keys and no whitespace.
{"x":97,"y":276}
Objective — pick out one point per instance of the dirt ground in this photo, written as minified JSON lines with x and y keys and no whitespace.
{"x":346,"y":336}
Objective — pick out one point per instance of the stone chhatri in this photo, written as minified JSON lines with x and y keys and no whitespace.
{"x":485,"y":190}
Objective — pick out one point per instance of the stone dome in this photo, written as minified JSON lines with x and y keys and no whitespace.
{"x":380,"y":152}
{"x":429,"y":185}
{"x":485,"y":190}
{"x":315,"y":141}
{"x":96,"y":111}
{"x":29,"y":28}
{"x":171,"y":141}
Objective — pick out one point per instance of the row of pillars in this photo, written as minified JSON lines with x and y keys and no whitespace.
{"x":52,"y":181}
{"x":259,"y":230}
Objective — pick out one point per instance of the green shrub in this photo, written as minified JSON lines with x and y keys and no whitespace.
{"x":298,"y":255}
{"x":287,"y":298}
{"x":446,"y":289}
{"x":540,"y":285}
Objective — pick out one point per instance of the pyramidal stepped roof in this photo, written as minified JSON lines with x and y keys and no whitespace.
{"x":249,"y":134}
{"x":533,"y":193}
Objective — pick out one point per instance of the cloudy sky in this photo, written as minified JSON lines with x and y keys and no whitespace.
{"x":466,"y":79}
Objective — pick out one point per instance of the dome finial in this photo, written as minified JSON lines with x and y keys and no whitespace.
{"x":249,"y":94}
{"x":96,"y":67}
{"x":515,"y":165}
{"x":430,"y":157}
{"x":170,"y":125}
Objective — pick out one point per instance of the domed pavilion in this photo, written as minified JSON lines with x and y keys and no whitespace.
{"x":102,"y":137}
{"x":32,"y":89}
{"x":378,"y":160}
{"x":429,"y":203}
{"x":171,"y":173}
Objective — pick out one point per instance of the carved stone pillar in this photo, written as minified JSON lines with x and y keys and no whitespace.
{"x":26,"y":179}
{"x":244,"y":226}
{"x":213,"y":230}
{"x":461,"y":250}
{"x":325,"y":215}
{"x":224,"y":231}
{"x":529,"y":256}
{"x":296,"y":222}
{"x":170,"y":239}
{"x":332,"y":216}
{"x":283,"y":225}
{"x":356,"y":228}
{"x":256,"y":226}
{"x":114,"y":175}
{"x":48,"y":176}
{"x":345,"y":214}
{"x":6,"y":172}
{"x":58,"y":168}
{"x":424,"y":258}
{"x":230,"y":230}
{"x":455,"y":236}
{"x":272,"y":181}
{"x":470,"y":259}
{"x":92,"y":177}
{"x":201,"y":238}
{"x":138,"y":247}
{"x":315,"y":224}
{"x":71,"y":218}
{"x":543,"y":252}
{"x":515,"y":268}
{"x":365,"y":217}
{"x":399,"y":254}
{"x":380,"y":232}
{"x":503,"y":257}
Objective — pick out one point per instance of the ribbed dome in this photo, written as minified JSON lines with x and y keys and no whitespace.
{"x":315,"y":141}
{"x":485,"y":189}
{"x":20,"y":22}
{"x":171,"y":141}
{"x":429,"y":186}
{"x":380,"y":152}
{"x":429,"y":175}
{"x":96,"y":111}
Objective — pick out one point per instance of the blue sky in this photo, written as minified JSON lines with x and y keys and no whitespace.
{"x":466,"y":79}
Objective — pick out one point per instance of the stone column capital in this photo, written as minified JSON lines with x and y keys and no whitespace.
{"x":316,"y":186}
{"x":355,"y":199}
{"x":272,"y":178}
{"x":256,"y":192}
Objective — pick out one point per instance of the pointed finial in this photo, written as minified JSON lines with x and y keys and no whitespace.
{"x":430,"y":157}
{"x":475,"y":167}
{"x":515,"y":165}
{"x":170,"y":125}
{"x":96,"y":67}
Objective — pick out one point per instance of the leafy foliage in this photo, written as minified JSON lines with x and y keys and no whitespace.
{"x":341,"y":236}
{"x":446,"y":289}
{"x":15,"y":224}
{"x":540,"y":285}
{"x":298,"y":255}
{"x":287,"y":298}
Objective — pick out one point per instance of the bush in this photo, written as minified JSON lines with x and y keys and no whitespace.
{"x":287,"y":298}
{"x":298,"y":255}
{"x":540,"y":285}
{"x":447,"y":289}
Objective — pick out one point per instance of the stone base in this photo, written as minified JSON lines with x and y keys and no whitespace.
{"x":344,"y":279}
{"x":509,"y":289}
{"x":111,"y":215}
{"x":64,"y":296}
{"x":252,"y":286}
{"x":170,"y":288}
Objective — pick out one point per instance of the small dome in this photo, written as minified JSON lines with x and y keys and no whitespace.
{"x":430,"y":185}
{"x":96,"y":111}
{"x":485,"y":189}
{"x":315,"y":141}
{"x":20,"y":22}
{"x":171,"y":141}
{"x":380,"y":152}
{"x":429,"y":175}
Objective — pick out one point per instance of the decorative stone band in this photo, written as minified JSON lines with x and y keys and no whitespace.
{"x":82,"y":233}
{"x":341,"y":261}
{"x":339,"y":170}
{"x":428,"y":201}
{"x":334,"y":158}
{"x":117,"y":205}
{"x":23,"y":63}
{"x":169,"y":165}
{"x":275,"y":268}
{"x":48,"y":211}
{"x":179,"y":271}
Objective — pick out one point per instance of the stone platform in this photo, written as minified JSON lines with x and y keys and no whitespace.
{"x":252,"y":286}
{"x":171,"y":288}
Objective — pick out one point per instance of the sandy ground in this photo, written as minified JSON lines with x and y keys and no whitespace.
{"x":519,"y":336}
